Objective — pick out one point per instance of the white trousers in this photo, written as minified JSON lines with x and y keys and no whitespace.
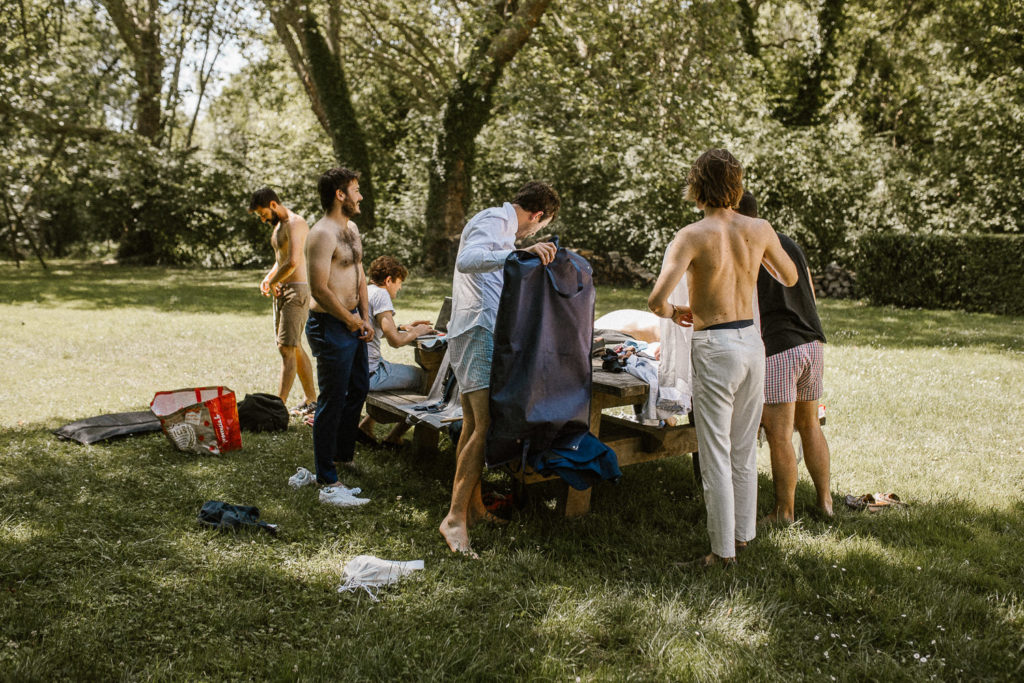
{"x":728,"y":394}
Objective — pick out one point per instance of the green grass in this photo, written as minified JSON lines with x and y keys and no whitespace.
{"x":104,"y":573}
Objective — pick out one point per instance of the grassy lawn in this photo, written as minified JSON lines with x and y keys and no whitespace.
{"x":104,"y":573}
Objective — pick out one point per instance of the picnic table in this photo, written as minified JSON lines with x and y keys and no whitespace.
{"x":632,"y":442}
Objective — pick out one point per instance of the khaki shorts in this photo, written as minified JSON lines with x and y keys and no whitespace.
{"x":290,"y":312}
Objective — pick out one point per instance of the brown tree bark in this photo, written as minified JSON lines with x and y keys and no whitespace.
{"x":139,"y":29}
{"x":316,"y":58}
{"x":467,"y":109}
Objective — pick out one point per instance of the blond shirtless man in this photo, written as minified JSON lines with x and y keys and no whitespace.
{"x":720,"y":256}
{"x":338,"y":328}
{"x":287,"y":282}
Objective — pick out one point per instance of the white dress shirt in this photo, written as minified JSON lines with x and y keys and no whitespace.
{"x":486,"y":242}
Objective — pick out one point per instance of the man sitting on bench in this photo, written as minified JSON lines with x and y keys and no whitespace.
{"x":386,"y":279}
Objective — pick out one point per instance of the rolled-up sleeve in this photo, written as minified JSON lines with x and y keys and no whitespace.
{"x":481,"y":252}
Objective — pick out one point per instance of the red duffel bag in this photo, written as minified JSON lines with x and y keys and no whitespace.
{"x":200,"y":420}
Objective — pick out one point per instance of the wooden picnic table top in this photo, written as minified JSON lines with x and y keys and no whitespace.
{"x":618,"y":386}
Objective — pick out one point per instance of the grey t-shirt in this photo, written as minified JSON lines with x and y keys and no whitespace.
{"x":380,"y":301}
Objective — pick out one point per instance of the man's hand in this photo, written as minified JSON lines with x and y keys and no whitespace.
{"x":682,"y":316}
{"x":419,"y":329}
{"x":265,"y":286}
{"x":545,"y":250}
{"x":365,"y":331}
{"x":414,"y":323}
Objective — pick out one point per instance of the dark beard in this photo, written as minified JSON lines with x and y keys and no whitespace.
{"x":349,"y":208}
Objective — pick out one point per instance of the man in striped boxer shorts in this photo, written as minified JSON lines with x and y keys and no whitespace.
{"x":793,"y":385}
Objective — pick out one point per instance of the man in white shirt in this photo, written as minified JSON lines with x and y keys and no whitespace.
{"x":486,"y":242}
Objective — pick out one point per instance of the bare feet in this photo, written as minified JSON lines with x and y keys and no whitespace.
{"x":456,"y":535}
{"x":825,"y":507}
{"x":708,"y":561}
{"x":775,"y":517}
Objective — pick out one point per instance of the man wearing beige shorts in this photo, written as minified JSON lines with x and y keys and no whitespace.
{"x":287,"y":282}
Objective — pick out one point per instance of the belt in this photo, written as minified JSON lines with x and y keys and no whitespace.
{"x":733,"y":325}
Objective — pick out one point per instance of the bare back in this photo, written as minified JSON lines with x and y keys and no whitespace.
{"x":335,"y":251}
{"x":288,"y":241}
{"x":721,"y":255}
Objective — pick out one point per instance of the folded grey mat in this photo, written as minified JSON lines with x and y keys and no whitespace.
{"x":103,"y":427}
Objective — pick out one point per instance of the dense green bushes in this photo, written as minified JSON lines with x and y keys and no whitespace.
{"x":970,"y":272}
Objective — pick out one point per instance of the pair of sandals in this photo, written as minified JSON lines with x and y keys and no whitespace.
{"x":874,"y":502}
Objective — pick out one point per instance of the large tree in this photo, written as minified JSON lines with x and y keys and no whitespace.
{"x":467,"y":108}
{"x":316,"y":52}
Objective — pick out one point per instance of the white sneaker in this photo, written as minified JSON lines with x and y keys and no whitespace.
{"x":302,"y":477}
{"x":340,"y":496}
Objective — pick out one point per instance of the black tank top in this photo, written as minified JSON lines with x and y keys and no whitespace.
{"x":788,"y":315}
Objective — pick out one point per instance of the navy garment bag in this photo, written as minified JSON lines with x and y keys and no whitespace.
{"x":541,"y":370}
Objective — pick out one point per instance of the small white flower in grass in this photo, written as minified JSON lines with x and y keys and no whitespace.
{"x":918,"y":569}
{"x":817,"y":637}
{"x":917,"y":656}
{"x":531,"y":649}
{"x":904,"y":616}
{"x":933,"y":642}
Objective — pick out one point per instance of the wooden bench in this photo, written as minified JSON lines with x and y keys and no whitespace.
{"x":386,"y":407}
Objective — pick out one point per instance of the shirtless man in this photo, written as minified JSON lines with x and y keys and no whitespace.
{"x":721,"y":255}
{"x":338,"y":328}
{"x":487,"y":240}
{"x":287,"y":282}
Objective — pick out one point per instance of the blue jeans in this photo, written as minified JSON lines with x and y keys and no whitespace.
{"x":393,"y":376}
{"x":343,"y":373}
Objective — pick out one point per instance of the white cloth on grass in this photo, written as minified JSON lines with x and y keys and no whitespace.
{"x":368,"y":572}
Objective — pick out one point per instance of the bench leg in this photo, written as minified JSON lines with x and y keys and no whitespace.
{"x":424,"y":441}
{"x":576,"y":503}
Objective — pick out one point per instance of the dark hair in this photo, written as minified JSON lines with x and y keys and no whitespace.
{"x":715,"y":180}
{"x":748,"y":205}
{"x":537,"y":196}
{"x":261,"y":199}
{"x":332,"y":181}
{"x":384,"y":267}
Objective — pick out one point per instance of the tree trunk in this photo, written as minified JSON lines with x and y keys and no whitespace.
{"x":141,"y":35}
{"x":347,"y":137}
{"x":323,"y":76}
{"x":805,"y":108}
{"x":467,"y":109}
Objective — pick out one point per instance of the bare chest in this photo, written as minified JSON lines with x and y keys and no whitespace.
{"x":349,"y":249}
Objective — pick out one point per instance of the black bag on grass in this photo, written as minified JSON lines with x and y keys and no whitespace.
{"x":103,"y":427}
{"x":262,"y":413}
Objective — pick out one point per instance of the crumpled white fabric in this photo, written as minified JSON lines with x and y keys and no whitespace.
{"x":368,"y":572}
{"x":674,"y":370}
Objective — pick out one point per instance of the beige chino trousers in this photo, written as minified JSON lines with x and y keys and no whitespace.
{"x":728,"y":395}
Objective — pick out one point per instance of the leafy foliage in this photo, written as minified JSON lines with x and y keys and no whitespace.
{"x":851,"y":117}
{"x":969,"y":272}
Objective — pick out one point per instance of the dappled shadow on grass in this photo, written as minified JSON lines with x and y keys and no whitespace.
{"x":96,"y":286}
{"x":104,"y":564}
{"x":853,"y":323}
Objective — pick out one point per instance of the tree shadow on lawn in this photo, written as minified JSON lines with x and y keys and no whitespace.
{"x":104,"y":563}
{"x":854,"y":323}
{"x":176,"y":290}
